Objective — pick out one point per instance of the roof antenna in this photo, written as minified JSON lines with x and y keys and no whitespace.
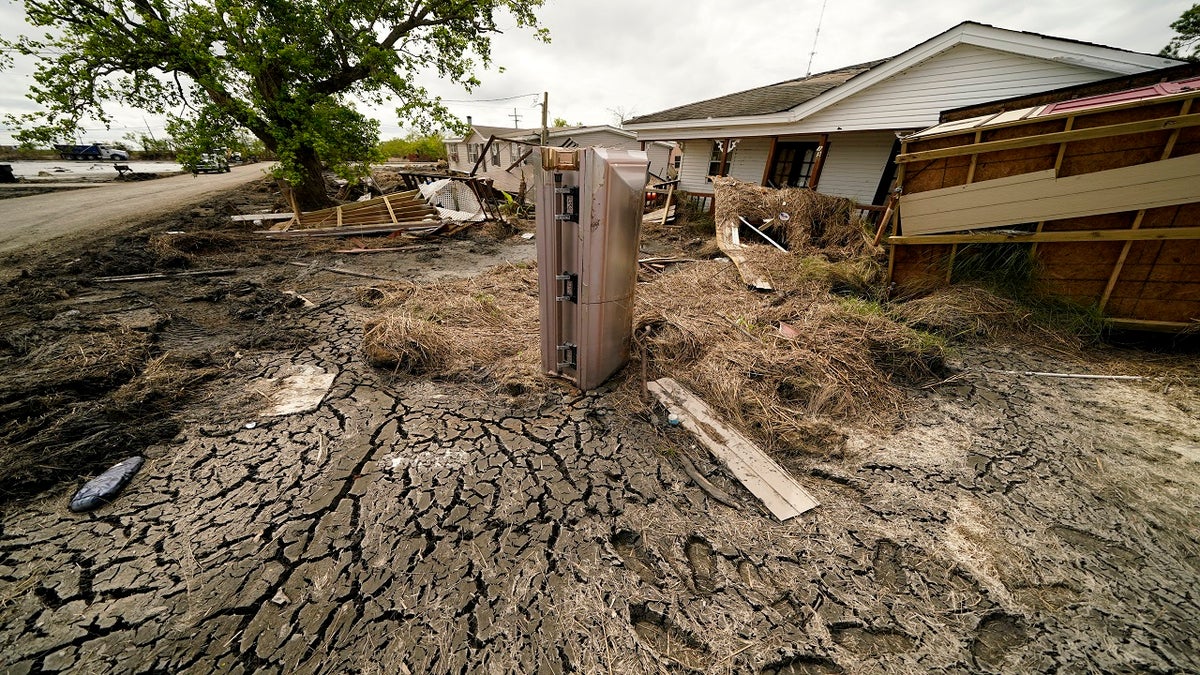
{"x":813,"y":53}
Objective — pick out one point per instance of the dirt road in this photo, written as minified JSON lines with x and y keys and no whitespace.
{"x":25,"y":221}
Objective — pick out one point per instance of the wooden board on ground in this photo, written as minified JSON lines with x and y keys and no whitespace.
{"x":762,"y":476}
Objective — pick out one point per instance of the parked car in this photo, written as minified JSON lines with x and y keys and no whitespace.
{"x":211,"y":164}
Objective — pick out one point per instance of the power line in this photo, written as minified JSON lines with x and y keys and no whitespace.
{"x":486,"y":100}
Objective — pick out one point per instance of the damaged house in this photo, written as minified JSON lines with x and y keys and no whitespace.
{"x":507,"y":155}
{"x":837,"y":131}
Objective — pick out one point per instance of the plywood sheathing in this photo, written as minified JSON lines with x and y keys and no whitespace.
{"x":1141,"y":281}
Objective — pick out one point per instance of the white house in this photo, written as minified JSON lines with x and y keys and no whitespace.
{"x":837,"y":131}
{"x":512,"y":155}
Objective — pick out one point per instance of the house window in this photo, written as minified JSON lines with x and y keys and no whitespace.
{"x":495,"y":153}
{"x":677,"y":161}
{"x":719,"y":161}
{"x":792,"y":165}
{"x":473,"y":152}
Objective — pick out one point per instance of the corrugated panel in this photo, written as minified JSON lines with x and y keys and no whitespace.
{"x":1129,"y":95}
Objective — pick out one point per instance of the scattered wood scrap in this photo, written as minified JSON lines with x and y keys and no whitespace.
{"x":385,"y":249}
{"x":762,"y":476}
{"x":152,"y":276}
{"x":342,"y":270}
{"x":727,"y":234}
{"x":252,"y":217}
{"x":658,"y":265}
{"x":417,"y":227}
{"x":390,"y":209}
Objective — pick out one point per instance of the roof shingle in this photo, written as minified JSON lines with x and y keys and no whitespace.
{"x":772,"y":98}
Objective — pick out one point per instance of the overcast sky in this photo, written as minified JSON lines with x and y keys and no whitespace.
{"x":630,"y":57}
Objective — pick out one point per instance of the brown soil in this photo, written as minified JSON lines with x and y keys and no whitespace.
{"x":430,"y":524}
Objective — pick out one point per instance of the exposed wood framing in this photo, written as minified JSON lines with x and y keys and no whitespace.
{"x":667,"y":205}
{"x":1058,"y":160}
{"x":1150,"y":234}
{"x":770,"y":160}
{"x":520,"y":159}
{"x":885,"y":219}
{"x":1160,"y":124}
{"x":1112,"y":278}
{"x":974,"y":159}
{"x":822,"y":152}
{"x":482,"y":155}
{"x":1137,"y":220}
{"x":896,"y":222}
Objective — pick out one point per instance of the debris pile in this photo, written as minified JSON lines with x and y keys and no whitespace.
{"x":482,"y":330}
{"x":401,"y":211}
{"x":796,"y":219}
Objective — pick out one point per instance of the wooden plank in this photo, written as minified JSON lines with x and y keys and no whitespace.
{"x":391,"y":211}
{"x":154,"y":276}
{"x":667,"y":205}
{"x":1146,"y":324}
{"x":251,"y":217}
{"x":1149,"y":234}
{"x":1137,"y":221}
{"x":1031,"y":197}
{"x":350,"y":230}
{"x":763,"y":477}
{"x":1160,"y":124}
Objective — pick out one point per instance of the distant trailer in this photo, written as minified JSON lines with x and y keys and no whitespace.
{"x":1101,"y":194}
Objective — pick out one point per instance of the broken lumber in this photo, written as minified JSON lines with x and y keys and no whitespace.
{"x":152,"y":276}
{"x":761,"y":475}
{"x":340,"y":270}
{"x":244,"y":217}
{"x":416,"y":247}
{"x":425,"y":226}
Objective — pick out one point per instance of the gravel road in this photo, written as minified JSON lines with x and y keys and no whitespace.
{"x":25,"y":221}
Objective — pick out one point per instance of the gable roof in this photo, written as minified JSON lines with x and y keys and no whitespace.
{"x":772,"y":98}
{"x":752,"y":107}
{"x":486,"y":132}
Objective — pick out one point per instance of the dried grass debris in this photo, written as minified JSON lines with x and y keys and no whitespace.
{"x":482,"y":330}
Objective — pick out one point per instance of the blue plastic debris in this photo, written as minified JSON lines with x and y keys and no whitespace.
{"x":103,"y":489}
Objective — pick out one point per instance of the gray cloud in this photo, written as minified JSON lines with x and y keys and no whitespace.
{"x":640,"y":57}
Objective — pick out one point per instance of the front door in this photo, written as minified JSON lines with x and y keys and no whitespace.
{"x":793,"y":164}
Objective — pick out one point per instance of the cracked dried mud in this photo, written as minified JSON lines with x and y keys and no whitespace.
{"x":1010,"y":524}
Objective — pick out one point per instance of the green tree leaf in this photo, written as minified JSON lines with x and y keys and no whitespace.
{"x":287,"y":72}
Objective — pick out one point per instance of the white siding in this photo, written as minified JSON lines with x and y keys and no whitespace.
{"x":855,"y":164}
{"x":694,"y":167}
{"x":962,"y":75}
{"x":660,"y":158}
{"x":749,"y":159}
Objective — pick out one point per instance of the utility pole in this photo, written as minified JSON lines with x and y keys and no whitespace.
{"x":516,"y":118}
{"x":545,"y":107}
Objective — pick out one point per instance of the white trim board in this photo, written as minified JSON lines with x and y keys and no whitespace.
{"x":1039,"y":196}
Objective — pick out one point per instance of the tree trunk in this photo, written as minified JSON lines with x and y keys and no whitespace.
{"x":310,"y":192}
